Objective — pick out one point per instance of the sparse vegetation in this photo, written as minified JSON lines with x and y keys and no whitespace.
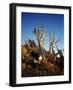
{"x":36,"y":61}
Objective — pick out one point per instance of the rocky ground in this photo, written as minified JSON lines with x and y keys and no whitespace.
{"x":32,"y":66}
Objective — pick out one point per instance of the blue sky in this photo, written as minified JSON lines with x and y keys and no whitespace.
{"x":51,"y":22}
